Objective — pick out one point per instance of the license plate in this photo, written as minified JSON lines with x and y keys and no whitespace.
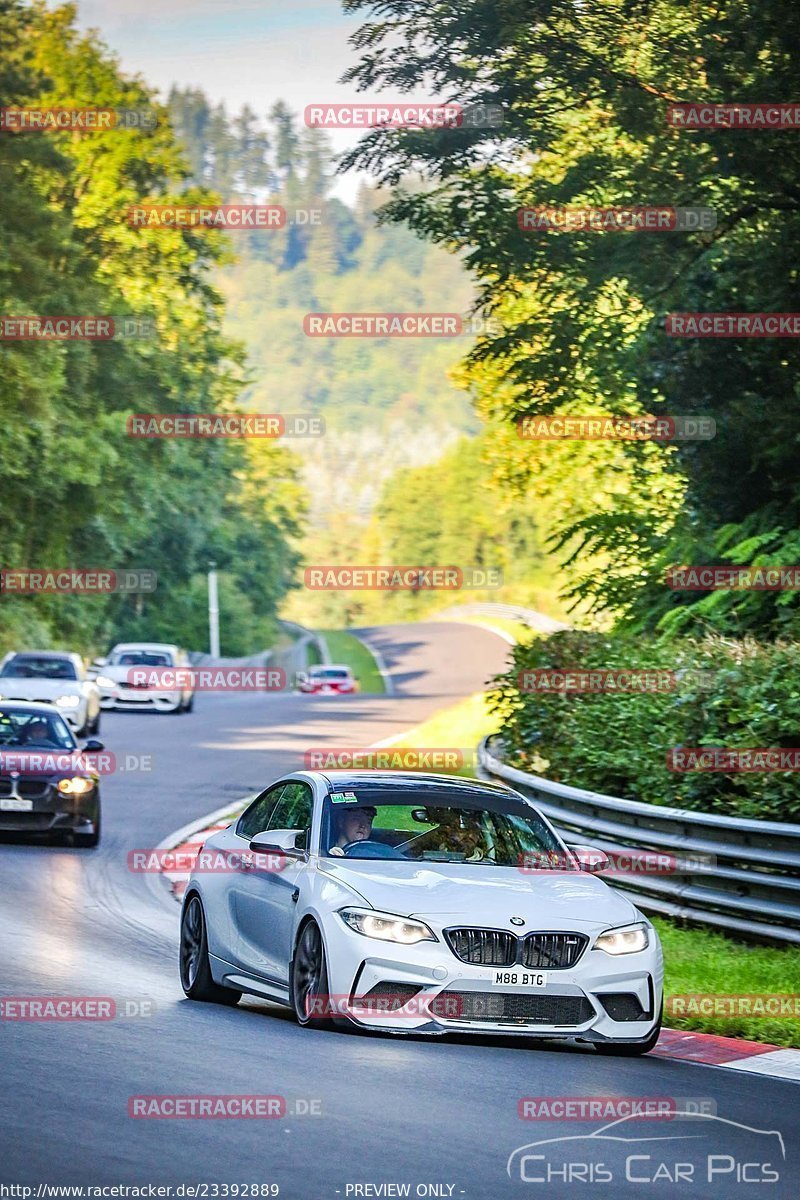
{"x":519,"y":980}
{"x":12,"y":804}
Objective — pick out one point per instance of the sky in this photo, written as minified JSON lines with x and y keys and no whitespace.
{"x":241,"y":51}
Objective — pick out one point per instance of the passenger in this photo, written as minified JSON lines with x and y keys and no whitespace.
{"x":456,"y":832}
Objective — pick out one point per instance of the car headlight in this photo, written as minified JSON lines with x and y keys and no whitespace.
{"x":67,"y":701}
{"x":104,"y":681}
{"x":625,"y":940}
{"x":387,"y":927}
{"x":77,"y":786}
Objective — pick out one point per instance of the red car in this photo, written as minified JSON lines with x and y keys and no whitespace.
{"x":327,"y":680}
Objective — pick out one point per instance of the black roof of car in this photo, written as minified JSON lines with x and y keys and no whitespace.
{"x":396,"y":785}
{"x":43,"y":654}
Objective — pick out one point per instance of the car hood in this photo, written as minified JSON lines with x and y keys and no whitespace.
{"x":120,"y":674}
{"x":116,"y":673}
{"x":23,"y":688}
{"x":486,"y":896}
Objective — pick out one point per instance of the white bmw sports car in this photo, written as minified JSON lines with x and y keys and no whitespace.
{"x":407,"y":903}
{"x":53,"y":677}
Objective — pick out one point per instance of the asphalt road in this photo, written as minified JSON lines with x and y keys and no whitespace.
{"x":362,"y":1111}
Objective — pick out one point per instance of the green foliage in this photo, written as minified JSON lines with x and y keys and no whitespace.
{"x":730,"y":694}
{"x":343,"y":647}
{"x":75,"y":489}
{"x":442,"y":514}
{"x":183,"y":618}
{"x":330,"y":257}
{"x":702,"y":962}
{"x":585,"y":99}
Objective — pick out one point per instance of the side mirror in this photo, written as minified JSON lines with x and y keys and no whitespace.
{"x":99,"y":662}
{"x":278,"y":841}
{"x":93,"y":746}
{"x":591,"y":859}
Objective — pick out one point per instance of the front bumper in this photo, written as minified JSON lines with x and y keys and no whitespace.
{"x":138,"y":698}
{"x":327,"y":690}
{"x":456,"y":997}
{"x":50,"y":812}
{"x":75,"y":717}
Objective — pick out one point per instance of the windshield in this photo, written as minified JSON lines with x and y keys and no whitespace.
{"x":28,"y":666}
{"x":500,"y":832}
{"x":330,"y":673}
{"x":140,"y":658}
{"x":42,"y":730}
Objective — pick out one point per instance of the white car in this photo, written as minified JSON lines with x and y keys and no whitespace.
{"x":403,"y":903}
{"x":138,"y":675}
{"x":327,"y":680}
{"x":53,"y":677}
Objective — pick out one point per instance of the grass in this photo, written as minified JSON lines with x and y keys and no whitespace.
{"x":460,"y":727}
{"x":697,"y":961}
{"x":345,"y":648}
{"x":706,"y":962}
{"x":313,"y":657}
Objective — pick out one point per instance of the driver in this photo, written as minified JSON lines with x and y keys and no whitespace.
{"x":352,"y":825}
{"x":37,"y":733}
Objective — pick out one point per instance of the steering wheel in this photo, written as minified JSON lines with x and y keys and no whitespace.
{"x":369,"y":849}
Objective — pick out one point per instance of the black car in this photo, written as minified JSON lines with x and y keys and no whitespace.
{"x":48,"y":784}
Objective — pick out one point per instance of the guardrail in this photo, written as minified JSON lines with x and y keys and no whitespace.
{"x":291,"y":658}
{"x":511,"y":612}
{"x":750,"y":884}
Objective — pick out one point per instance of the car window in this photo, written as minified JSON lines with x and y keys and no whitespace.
{"x":504,"y":831}
{"x":140,"y":658}
{"x":293,"y":811}
{"x":254,"y":819}
{"x":27,"y":666}
{"x":34,"y":729}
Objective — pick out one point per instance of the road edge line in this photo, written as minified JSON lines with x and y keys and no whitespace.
{"x":158,"y":881}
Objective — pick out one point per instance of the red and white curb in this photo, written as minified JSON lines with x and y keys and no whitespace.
{"x":708,"y":1049}
{"x":185,"y":844}
{"x":740,"y":1055}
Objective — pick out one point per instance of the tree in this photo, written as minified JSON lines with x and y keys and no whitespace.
{"x":81,"y":490}
{"x":584,"y":96}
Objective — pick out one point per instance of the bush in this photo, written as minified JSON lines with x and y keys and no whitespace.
{"x":730,"y":694}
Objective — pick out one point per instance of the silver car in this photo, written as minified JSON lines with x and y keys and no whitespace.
{"x":53,"y":677}
{"x":124,"y":677}
{"x":407,"y":903}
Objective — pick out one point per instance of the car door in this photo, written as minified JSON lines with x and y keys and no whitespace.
{"x":264,"y":900}
{"x":219,"y":887}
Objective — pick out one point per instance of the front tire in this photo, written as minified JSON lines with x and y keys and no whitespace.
{"x":309,"y":979}
{"x":195,"y":969}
